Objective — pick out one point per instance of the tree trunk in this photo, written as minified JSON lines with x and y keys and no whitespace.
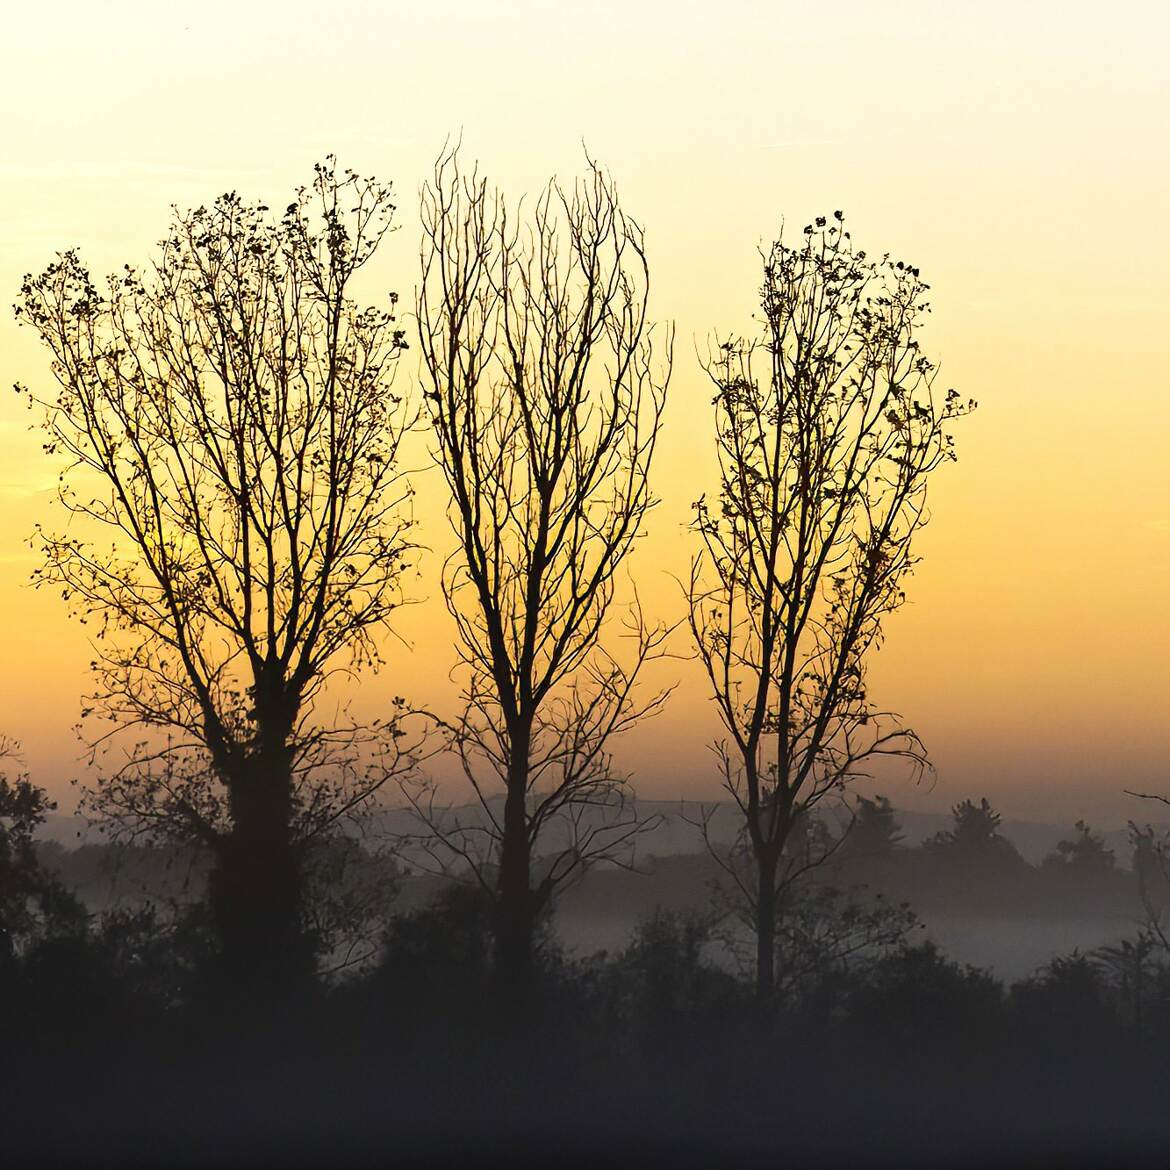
{"x":766,"y":906}
{"x":256,"y":892}
{"x":514,"y":912}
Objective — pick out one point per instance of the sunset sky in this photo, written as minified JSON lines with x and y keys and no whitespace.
{"x":1019,"y":153}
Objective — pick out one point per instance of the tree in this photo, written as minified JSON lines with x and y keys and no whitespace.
{"x":228,"y":422}
{"x":975,"y":837}
{"x":828,"y":937}
{"x":915,"y":1000}
{"x":33,"y":903}
{"x":1084,"y":855}
{"x":874,"y":831}
{"x":1134,"y":967}
{"x":824,"y":457}
{"x":1151,"y":867}
{"x":546,"y":398}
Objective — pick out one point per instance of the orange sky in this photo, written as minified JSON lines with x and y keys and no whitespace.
{"x":1017,"y":152}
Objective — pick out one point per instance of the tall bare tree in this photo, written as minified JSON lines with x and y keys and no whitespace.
{"x":828,"y":429}
{"x":228,"y":426}
{"x":546,"y":395}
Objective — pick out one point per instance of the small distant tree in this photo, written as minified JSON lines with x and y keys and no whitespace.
{"x":1085,"y":854}
{"x":546,"y":395}
{"x":1136,"y":968}
{"x":33,"y":903}
{"x":874,"y":830}
{"x":975,"y":834}
{"x":228,"y":425}
{"x":828,"y":430}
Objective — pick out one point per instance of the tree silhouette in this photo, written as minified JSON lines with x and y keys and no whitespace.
{"x":33,"y":903}
{"x":825,"y":455}
{"x":874,"y":831}
{"x":229,"y":427}
{"x":1133,"y":966}
{"x":975,"y":835}
{"x":1151,"y":867}
{"x":546,"y":400}
{"x":1084,"y":855}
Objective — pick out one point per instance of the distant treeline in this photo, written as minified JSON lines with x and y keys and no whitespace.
{"x":972,"y":868}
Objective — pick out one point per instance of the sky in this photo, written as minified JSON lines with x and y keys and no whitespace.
{"x":1018,"y":153}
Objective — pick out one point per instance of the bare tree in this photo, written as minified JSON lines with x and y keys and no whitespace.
{"x":546,"y":397}
{"x":827,"y":432}
{"x":228,"y":424}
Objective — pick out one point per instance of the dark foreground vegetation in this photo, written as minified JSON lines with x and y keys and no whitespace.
{"x":124,"y":1046}
{"x":113,"y":1056}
